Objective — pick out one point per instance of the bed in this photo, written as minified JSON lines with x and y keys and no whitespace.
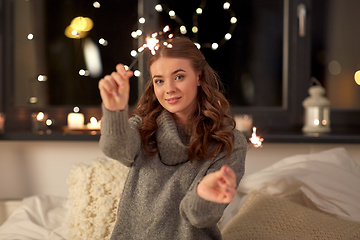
{"x":308,"y":196}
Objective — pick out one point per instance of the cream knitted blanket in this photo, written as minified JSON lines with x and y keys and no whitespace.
{"x":267,"y":217}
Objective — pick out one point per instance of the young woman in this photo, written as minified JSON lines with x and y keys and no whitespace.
{"x":185,"y":157}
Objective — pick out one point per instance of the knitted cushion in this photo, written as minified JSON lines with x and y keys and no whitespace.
{"x":94,"y":194}
{"x":268,"y":217}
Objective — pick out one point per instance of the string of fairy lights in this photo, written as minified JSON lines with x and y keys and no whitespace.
{"x":80,"y":27}
{"x":163,"y":8}
{"x":195,"y":26}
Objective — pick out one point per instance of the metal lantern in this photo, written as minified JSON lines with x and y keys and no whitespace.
{"x":317,"y":111}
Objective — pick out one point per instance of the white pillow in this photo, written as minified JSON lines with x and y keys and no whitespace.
{"x":94,"y":194}
{"x":328,"y":180}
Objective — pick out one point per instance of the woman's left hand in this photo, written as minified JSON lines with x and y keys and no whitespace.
{"x":219,"y":186}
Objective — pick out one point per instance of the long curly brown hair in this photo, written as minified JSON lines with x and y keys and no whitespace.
{"x":210,"y":125}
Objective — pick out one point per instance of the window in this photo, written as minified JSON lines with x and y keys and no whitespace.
{"x":265,"y":64}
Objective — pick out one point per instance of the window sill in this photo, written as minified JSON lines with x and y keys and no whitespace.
{"x":269,"y":137}
{"x":54,"y":136}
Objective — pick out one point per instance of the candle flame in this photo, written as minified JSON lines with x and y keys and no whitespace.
{"x":93,"y":120}
{"x":40,"y":116}
{"x":256,"y":140}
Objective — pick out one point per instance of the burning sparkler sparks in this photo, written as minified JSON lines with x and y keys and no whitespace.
{"x":256,"y":140}
{"x":152,"y":43}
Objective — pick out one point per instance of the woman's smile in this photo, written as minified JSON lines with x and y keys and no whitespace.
{"x":173,"y":100}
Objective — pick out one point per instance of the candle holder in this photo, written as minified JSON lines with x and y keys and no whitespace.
{"x":317,"y":111}
{"x":244,"y":123}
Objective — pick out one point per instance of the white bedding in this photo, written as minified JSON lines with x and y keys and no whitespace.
{"x":38,"y":217}
{"x":329,"y":180}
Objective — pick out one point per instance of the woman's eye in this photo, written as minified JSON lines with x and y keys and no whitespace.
{"x":158,"y":81}
{"x":179,"y":77}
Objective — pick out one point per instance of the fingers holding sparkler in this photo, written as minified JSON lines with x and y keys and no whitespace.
{"x":115,"y":88}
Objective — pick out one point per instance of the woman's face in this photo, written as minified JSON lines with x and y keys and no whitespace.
{"x":175,"y":86}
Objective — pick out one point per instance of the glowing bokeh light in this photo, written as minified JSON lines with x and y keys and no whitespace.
{"x":139,"y":32}
{"x":195,"y":29}
{"x":92,"y":57}
{"x":233,"y":20}
{"x":133,"y":53}
{"x":142,"y":20}
{"x":30,"y":36}
{"x":40,"y":116}
{"x":133,"y":34}
{"x":183,"y":29}
{"x":33,"y":100}
{"x":82,"y":72}
{"x":96,"y":4}
{"x":42,"y":78}
{"x":214,"y":46}
{"x":226,"y":5}
{"x":227,"y":36}
{"x":166,"y":29}
{"x":357,"y":77}
{"x":172,"y":14}
{"x":82,"y":24}
{"x":158,"y":8}
{"x":199,"y":11}
{"x":137,"y":73}
{"x":49,"y":122}
{"x":103,"y":42}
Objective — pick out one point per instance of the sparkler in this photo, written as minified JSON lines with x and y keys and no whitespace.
{"x":152,"y":43}
{"x":256,"y":140}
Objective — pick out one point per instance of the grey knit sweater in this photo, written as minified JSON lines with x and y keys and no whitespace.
{"x":159,"y":200}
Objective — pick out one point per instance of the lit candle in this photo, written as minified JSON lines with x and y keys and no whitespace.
{"x":75,"y":120}
{"x":93,"y":124}
{"x":38,"y":122}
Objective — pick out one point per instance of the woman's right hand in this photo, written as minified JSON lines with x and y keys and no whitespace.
{"x":115,"y":89}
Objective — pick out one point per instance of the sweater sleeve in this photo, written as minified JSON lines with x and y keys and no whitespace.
{"x":120,"y":137}
{"x":200,"y":212}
